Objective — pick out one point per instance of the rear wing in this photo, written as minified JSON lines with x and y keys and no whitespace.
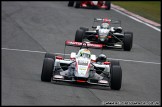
{"x":82,"y":44}
{"x":107,"y":20}
{"x":102,"y":20}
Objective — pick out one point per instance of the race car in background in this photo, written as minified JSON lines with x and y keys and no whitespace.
{"x":82,"y":67}
{"x":91,"y":4}
{"x":106,"y":35}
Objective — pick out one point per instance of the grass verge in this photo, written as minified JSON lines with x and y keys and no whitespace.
{"x":148,"y":9}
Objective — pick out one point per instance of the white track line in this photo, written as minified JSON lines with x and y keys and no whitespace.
{"x":135,"y":61}
{"x":137,"y":20}
{"x":22,"y":50}
{"x":69,"y":54}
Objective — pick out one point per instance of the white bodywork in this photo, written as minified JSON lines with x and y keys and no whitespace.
{"x":82,"y":67}
{"x":83,"y":64}
{"x":95,"y":2}
{"x":110,"y":29}
{"x":103,"y":33}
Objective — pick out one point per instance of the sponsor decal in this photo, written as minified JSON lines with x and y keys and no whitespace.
{"x":82,"y":69}
{"x":80,"y":44}
{"x":82,"y":62}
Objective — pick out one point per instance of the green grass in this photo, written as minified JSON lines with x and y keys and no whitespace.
{"x":148,"y":9}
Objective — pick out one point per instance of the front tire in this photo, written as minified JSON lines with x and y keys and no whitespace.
{"x":84,"y":29}
{"x":79,"y":35}
{"x":48,"y":65}
{"x":128,"y":41}
{"x":50,"y":55}
{"x":116,"y":77}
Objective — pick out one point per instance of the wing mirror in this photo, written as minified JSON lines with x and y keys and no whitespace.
{"x":73,"y":55}
{"x":93,"y":57}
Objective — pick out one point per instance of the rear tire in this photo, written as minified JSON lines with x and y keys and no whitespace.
{"x":48,"y":65}
{"x":128,"y":40}
{"x":77,"y":4}
{"x":71,"y":3}
{"x":116,"y":77}
{"x":79,"y":35}
{"x":114,"y":62}
{"x":108,"y":4}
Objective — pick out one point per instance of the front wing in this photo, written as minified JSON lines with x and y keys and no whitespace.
{"x":71,"y":79}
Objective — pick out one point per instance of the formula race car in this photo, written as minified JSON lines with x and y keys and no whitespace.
{"x":109,"y":37}
{"x":82,"y":67}
{"x":92,"y":4}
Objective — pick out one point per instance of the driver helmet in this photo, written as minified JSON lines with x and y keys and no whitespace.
{"x":101,"y":58}
{"x":104,"y":25}
{"x":85,"y":53}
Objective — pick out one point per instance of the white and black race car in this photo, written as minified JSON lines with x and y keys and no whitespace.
{"x":82,"y":67}
{"x":105,"y":34}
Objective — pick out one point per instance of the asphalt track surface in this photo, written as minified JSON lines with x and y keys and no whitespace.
{"x":44,"y":26}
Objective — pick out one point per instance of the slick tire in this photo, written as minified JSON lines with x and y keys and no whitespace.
{"x":47,"y":69}
{"x":50,"y":55}
{"x":114,"y":62}
{"x":84,"y":28}
{"x":127,"y":41}
{"x":116,"y":77}
{"x":108,"y":4}
{"x":77,"y":4}
{"x":79,"y":35}
{"x":71,"y":3}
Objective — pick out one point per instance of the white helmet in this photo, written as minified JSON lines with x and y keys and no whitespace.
{"x":104,"y":25}
{"x":84,"y":53}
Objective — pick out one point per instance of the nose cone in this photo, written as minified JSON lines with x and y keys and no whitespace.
{"x":82,"y":71}
{"x":103,"y":31}
{"x":102,"y":39}
{"x":82,"y":67}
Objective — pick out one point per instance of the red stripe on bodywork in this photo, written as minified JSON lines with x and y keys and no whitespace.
{"x":59,"y":57}
{"x":80,"y":80}
{"x":107,"y":63}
